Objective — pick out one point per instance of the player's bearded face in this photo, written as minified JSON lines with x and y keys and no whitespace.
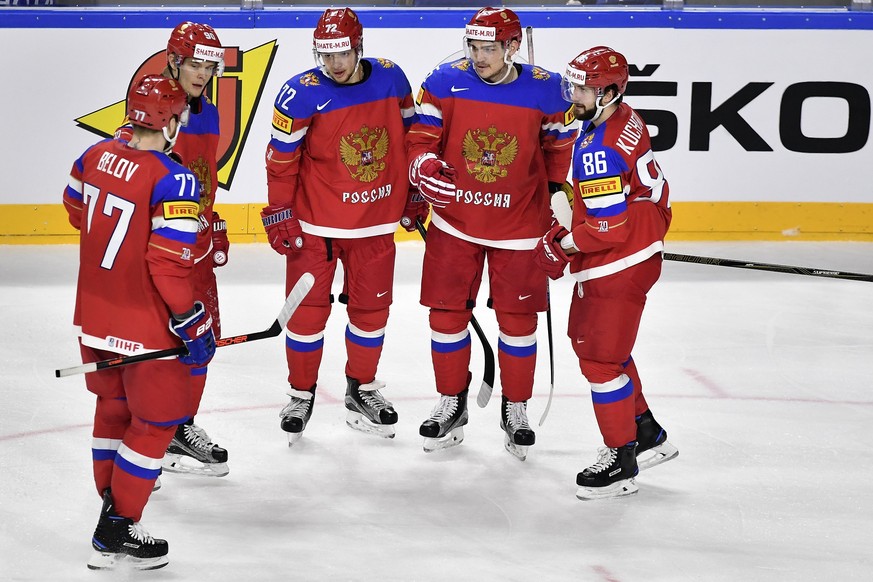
{"x":195,"y":75}
{"x":342,"y":67}
{"x":585,"y":100}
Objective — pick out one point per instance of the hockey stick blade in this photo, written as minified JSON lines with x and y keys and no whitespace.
{"x":551,"y":362}
{"x":488,"y":376}
{"x":292,"y":302}
{"x":789,"y":269}
{"x":484,"y":395}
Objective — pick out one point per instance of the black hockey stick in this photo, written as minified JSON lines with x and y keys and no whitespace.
{"x":298,"y":293}
{"x":488,"y":377}
{"x":809,"y":271}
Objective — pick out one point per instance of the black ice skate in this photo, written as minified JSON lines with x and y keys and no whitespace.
{"x":445,"y":427}
{"x":611,"y":476}
{"x":119,"y":540}
{"x":296,"y":413}
{"x":369,"y":412}
{"x":192,"y":452}
{"x":652,"y":446}
{"x":513,"y":421}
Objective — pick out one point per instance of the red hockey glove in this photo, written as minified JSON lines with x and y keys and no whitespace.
{"x":220,"y":244}
{"x":434,"y":178}
{"x":416,"y":211}
{"x":549,"y":256}
{"x":283,"y":230}
{"x":195,"y":329}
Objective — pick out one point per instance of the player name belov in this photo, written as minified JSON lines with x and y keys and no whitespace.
{"x":116,"y":166}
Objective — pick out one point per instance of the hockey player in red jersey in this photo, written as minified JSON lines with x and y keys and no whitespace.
{"x":194,"y":57}
{"x":492,"y":137}
{"x":137,"y":212}
{"x":620,"y":217}
{"x":337,"y":188}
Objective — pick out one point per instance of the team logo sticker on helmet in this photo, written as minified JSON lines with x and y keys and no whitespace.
{"x":236,"y":93}
{"x":487,"y":152}
{"x":363,"y":151}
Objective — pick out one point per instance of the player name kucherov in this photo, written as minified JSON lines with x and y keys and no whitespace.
{"x":630,"y":134}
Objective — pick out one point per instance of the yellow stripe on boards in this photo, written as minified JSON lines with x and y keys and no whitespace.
{"x":692,"y":221}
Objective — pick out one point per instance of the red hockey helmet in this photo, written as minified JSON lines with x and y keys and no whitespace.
{"x":154,"y":99}
{"x":598,"y":67}
{"x":196,"y":41}
{"x":494,"y":24}
{"x":338,"y":30}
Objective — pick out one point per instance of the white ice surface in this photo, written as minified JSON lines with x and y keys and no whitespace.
{"x":762,"y":380}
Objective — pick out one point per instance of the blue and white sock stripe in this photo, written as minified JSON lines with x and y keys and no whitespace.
{"x":367,"y":339}
{"x":612,"y":391}
{"x":173,"y":422}
{"x":104,"y":449}
{"x":518,"y":346}
{"x":136,"y":464}
{"x":304,"y":343}
{"x":445,"y":343}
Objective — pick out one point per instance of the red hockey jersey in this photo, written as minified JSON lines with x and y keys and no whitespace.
{"x":506,"y":143}
{"x":197,"y":145}
{"x":337,"y":155}
{"x":137,"y":213}
{"x":621,"y":209}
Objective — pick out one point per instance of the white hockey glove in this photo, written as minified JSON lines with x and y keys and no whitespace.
{"x":434,"y":178}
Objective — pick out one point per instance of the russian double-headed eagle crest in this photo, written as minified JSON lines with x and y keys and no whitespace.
{"x":363,"y":152}
{"x":540,"y":74}
{"x":487,"y":151}
{"x":310,"y":80}
{"x":200,"y":168}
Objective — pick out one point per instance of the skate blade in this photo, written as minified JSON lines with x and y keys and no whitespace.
{"x":110,"y":561}
{"x":657,"y":455}
{"x":184,"y":464}
{"x":452,"y":439}
{"x":517,"y":451}
{"x":356,"y":421}
{"x":293,"y":437}
{"x":621,"y":488}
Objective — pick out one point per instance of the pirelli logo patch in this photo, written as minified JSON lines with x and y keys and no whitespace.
{"x":419,"y":96}
{"x":601,"y":187}
{"x":181,"y":209}
{"x":281,"y":121}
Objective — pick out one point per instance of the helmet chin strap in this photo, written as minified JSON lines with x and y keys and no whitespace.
{"x":599,"y":106}
{"x":171,"y":141}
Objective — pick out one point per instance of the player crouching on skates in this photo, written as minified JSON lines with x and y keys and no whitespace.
{"x":489,"y":138}
{"x":337,"y":188}
{"x":615,"y":237}
{"x":129,"y":287}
